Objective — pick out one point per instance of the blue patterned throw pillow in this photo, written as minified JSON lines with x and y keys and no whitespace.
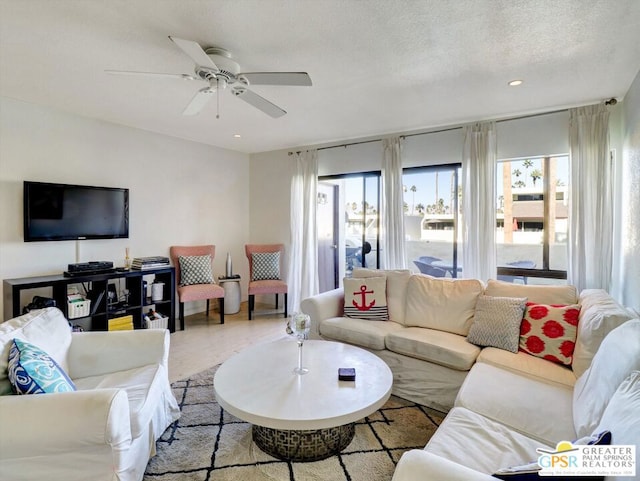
{"x":266,"y":265}
{"x":33,"y":371}
{"x":195,"y":270}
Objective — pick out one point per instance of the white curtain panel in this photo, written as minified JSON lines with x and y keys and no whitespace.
{"x":391,"y":207}
{"x":302,"y":280}
{"x":479,"y":201}
{"x":590,"y":202}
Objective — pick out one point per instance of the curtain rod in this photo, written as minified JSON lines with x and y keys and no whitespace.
{"x":348,"y":144}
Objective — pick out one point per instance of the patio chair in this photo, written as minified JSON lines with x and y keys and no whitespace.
{"x":424,"y":265}
{"x":517,"y":265}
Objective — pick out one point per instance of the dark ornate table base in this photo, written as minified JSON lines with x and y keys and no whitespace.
{"x":306,"y":445}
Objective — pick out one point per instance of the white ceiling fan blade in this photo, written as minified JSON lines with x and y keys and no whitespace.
{"x":195,"y":51}
{"x":184,"y":76}
{"x":301,"y":79}
{"x":199,"y":100}
{"x":259,"y":102}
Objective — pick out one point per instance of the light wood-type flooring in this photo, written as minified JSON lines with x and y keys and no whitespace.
{"x":205,"y":342}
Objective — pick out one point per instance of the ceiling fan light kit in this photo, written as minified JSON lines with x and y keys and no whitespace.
{"x":217,"y":67}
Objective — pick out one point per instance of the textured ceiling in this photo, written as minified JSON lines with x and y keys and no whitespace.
{"x":377,"y":66}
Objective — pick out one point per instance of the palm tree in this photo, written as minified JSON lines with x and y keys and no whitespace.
{"x":420,"y":208}
{"x":413,"y":197}
{"x":527,"y":164}
{"x":516,"y":173}
{"x":535,"y":175}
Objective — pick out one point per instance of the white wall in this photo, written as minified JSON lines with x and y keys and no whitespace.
{"x":181,"y":192}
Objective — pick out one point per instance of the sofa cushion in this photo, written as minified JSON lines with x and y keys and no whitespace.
{"x":33,"y":371}
{"x":524,"y":404}
{"x":397,"y":281}
{"x":617,"y":358}
{"x":540,"y":294}
{"x":496,"y":322}
{"x":599,"y":315}
{"x":480,"y":443}
{"x":621,"y":415}
{"x":144,"y":388}
{"x":366,"y":298}
{"x":549,"y":331}
{"x":46,"y":328}
{"x":530,"y":366}
{"x":369,"y":334}
{"x":443,"y":304}
{"x":444,"y":348}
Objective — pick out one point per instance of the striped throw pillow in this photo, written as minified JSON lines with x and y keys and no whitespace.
{"x":366,"y":298}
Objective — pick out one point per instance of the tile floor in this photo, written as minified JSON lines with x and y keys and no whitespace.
{"x":205,"y":342}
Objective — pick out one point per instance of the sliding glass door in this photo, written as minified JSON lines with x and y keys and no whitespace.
{"x":350,"y":229}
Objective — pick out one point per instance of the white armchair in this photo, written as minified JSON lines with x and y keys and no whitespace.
{"x":107,"y":429}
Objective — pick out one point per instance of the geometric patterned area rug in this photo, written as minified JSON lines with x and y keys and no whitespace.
{"x":209,"y":444}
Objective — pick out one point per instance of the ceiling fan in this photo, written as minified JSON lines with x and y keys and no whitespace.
{"x":216,"y":67}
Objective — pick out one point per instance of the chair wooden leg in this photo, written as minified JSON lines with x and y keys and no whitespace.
{"x":251,"y":301}
{"x":221,"y":301}
{"x":276,"y":301}
{"x":181,"y":315}
{"x":207,"y":307}
{"x":285,"y":305}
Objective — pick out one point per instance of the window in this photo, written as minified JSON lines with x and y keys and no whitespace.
{"x":431,"y":200}
{"x":532,"y":219}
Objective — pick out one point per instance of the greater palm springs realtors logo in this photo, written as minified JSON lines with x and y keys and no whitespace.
{"x":587,"y":460}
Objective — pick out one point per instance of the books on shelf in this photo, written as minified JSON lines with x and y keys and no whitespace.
{"x":144,"y":263}
{"x":124,"y":323}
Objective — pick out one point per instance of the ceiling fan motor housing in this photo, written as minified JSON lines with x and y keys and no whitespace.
{"x":228,"y":68}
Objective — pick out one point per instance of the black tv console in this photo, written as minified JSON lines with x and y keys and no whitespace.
{"x":138,"y":304}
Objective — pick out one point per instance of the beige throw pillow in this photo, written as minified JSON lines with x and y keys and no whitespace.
{"x":397,"y":280}
{"x":443,"y":304}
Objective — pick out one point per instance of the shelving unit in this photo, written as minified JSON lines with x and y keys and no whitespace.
{"x":97,"y":286}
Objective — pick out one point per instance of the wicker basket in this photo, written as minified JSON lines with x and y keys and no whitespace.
{"x":78,"y":308}
{"x":162,"y":323}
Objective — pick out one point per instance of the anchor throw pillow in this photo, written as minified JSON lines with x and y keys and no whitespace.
{"x":366,"y":298}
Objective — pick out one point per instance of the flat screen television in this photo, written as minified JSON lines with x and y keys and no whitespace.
{"x":55,"y":212}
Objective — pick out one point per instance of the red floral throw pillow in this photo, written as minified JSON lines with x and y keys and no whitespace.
{"x":549,"y":331}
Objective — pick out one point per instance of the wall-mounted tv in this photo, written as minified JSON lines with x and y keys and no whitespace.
{"x":54,"y":212}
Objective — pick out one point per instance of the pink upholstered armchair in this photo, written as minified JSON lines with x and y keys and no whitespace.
{"x":265,"y":272}
{"x":196,"y":283}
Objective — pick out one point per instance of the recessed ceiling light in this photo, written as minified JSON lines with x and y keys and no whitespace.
{"x":515,"y":83}
{"x":237,"y":136}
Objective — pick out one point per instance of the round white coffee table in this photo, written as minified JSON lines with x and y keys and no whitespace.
{"x":302,"y":417}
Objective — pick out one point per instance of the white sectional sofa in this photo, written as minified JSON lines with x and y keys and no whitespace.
{"x":501,"y":417}
{"x":424,"y":342}
{"x":107,"y":428}
{"x":501,"y":405}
